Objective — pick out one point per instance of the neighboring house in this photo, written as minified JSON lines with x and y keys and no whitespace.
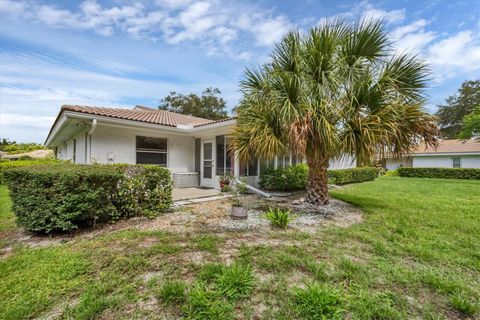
{"x":195,"y":150}
{"x":452,"y":153}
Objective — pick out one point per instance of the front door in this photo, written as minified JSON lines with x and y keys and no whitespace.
{"x":208,"y":164}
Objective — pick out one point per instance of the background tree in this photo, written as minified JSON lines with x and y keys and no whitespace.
{"x":450,"y":115}
{"x":471,"y":125}
{"x":333,"y":91}
{"x":209,"y":105}
{"x":12,"y":147}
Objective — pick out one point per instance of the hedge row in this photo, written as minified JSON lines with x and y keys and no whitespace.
{"x":48,"y":198}
{"x":6,"y":164}
{"x":295,"y":177}
{"x":445,"y":173}
{"x":353,"y":175}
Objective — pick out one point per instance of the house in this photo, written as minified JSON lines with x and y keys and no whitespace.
{"x":452,"y":153}
{"x":195,"y":150}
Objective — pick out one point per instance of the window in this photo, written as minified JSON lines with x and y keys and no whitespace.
{"x":74,"y":150}
{"x":225,"y":156}
{"x":220,"y":141}
{"x":86,"y":147}
{"x":456,"y":162}
{"x":253,"y":168}
{"x":249,"y":169}
{"x":151,"y":151}
{"x":198,"y":147}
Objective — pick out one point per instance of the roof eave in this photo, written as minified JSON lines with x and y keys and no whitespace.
{"x":67,"y":114}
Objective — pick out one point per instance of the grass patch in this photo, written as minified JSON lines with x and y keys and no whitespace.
{"x":7,"y":218}
{"x":415,"y":255}
{"x":317,"y":301}
{"x":236,"y":281}
{"x":210,"y":272}
{"x":206,"y":304}
{"x":206,"y":242}
{"x":34,"y":279}
{"x":464,"y":304}
{"x":173,"y":292}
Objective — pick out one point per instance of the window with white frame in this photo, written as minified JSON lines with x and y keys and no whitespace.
{"x":225,"y":156}
{"x":151,"y":150}
{"x":456,"y":162}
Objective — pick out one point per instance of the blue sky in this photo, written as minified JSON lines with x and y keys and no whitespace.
{"x":123,"y":53}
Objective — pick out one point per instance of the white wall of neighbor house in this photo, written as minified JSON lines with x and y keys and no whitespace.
{"x":345,"y":162}
{"x":392,"y":164}
{"x":466,"y":161}
{"x":111,"y":144}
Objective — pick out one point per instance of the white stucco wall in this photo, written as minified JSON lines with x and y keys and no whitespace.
{"x":392,"y":164}
{"x":65,"y":150}
{"x":111,"y":144}
{"x":467,"y":161}
{"x":345,"y":162}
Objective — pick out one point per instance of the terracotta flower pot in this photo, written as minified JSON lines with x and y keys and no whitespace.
{"x":239,"y":213}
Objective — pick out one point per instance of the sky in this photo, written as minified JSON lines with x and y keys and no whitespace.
{"x":123,"y":53}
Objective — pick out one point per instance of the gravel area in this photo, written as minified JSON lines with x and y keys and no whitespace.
{"x":214,"y":216}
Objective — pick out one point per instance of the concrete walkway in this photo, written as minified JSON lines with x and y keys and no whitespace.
{"x":193,"y":193}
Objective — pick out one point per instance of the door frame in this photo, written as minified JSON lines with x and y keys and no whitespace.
{"x":208,"y":182}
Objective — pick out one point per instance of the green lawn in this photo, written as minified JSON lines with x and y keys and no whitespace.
{"x":7,"y":220}
{"x":417,"y":254}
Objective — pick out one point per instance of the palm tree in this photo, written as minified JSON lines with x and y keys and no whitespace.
{"x":336,"y":90}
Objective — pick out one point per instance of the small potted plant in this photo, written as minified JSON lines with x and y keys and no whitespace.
{"x":239,"y":210}
{"x":224,"y":181}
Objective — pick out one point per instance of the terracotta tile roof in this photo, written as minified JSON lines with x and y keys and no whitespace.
{"x":142,"y":114}
{"x":452,"y":146}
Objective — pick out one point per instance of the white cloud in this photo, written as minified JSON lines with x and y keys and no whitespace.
{"x":447,"y":56}
{"x":12,"y":7}
{"x":365,"y":10}
{"x":208,"y":23}
{"x":413,"y":37}
{"x":173,"y":4}
{"x":266,"y":29}
{"x":455,"y":54}
{"x":271,"y":30}
{"x":394,"y":16}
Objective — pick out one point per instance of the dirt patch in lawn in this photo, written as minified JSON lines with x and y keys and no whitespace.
{"x":207,"y":217}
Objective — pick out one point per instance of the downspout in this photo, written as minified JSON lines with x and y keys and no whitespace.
{"x":252,"y":188}
{"x":90,"y":132}
{"x":94,"y":126}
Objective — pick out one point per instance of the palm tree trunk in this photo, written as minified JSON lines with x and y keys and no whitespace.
{"x":317,"y":184}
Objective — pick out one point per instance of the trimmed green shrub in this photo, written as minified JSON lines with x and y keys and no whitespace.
{"x":353,"y":175}
{"x":143,"y":190}
{"x":444,"y":173}
{"x":285,"y":179}
{"x":5,"y":164}
{"x":63,"y":197}
{"x":279,"y":218}
{"x":295,"y":177}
